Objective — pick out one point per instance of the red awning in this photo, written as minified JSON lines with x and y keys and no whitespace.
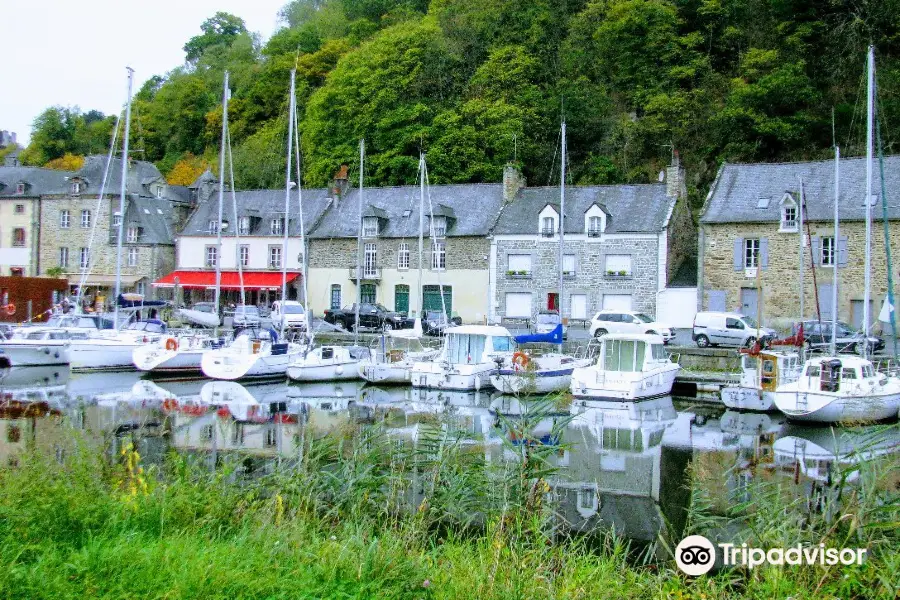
{"x":253,"y":280}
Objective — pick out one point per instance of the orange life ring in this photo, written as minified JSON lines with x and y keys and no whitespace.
{"x":171,"y":344}
{"x":10,"y":309}
{"x":169,"y":404}
{"x":520,"y":360}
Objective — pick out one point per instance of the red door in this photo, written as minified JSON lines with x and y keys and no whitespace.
{"x":552,"y":301}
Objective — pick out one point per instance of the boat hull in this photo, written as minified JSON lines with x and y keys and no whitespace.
{"x":160,"y":360}
{"x":36,"y":355}
{"x":231,"y":366}
{"x":590,"y":382}
{"x":823,"y":407}
{"x":437,"y":376}
{"x":98,"y":355}
{"x":397,"y":373}
{"x":537,"y":382}
{"x":739,"y":397}
{"x":345,"y":371}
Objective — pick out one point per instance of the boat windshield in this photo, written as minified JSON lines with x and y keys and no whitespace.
{"x":464,"y":348}
{"x":624,"y":355}
{"x":658,"y":352}
{"x":503,"y":343}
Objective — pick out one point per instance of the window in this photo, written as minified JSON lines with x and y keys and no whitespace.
{"x":370,"y":226}
{"x":569,"y":265}
{"x":403,"y":256}
{"x":85,"y":260}
{"x":618,"y":265}
{"x":13,"y":434}
{"x":828,"y":253}
{"x":75,"y":187}
{"x":132,"y":234}
{"x":20,"y":209}
{"x":244,"y":255}
{"x":132,"y":257}
{"x":64,"y":219}
{"x":271,"y":437}
{"x":276,"y":226}
{"x":751,"y":253}
{"x":439,"y":226}
{"x":159,"y":191}
{"x":518,"y":265}
{"x":244,"y":226}
{"x":595,"y":227}
{"x":733,"y":323}
{"x":370,"y":260}
{"x":548,"y":227}
{"x":586,"y":499}
{"x":117,"y":219}
{"x":212,"y":226}
{"x":18,"y":240}
{"x":140,"y":288}
{"x":206,"y":433}
{"x":789,"y":217}
{"x":86,"y":219}
{"x":64,"y":257}
{"x":274,"y":257}
{"x":17,"y":271}
{"x":335,"y":296}
{"x":211,"y":256}
{"x":367,"y":293}
{"x":439,"y":256}
{"x":20,"y":188}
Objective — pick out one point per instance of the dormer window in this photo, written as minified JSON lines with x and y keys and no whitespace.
{"x":370,"y":226}
{"x":75,"y":187}
{"x":595,"y":221}
{"x":439,"y":226}
{"x":548,"y":227}
{"x":159,"y":191}
{"x":244,"y":226}
{"x":276,"y":226}
{"x":132,"y":234}
{"x":789,"y":216}
{"x":116,"y":221}
{"x":595,"y":227}
{"x":212,"y":226}
{"x":20,"y":189}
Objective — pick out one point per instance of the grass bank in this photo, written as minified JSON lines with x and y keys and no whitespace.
{"x":360,"y":517}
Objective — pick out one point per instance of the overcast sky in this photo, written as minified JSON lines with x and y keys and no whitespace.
{"x":74,"y":53}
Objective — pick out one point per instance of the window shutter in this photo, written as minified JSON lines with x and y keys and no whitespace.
{"x":842,"y":251}
{"x":816,"y":244}
{"x":764,"y":252}
{"x":739,"y":254}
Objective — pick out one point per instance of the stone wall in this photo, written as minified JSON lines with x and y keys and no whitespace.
{"x":779,"y":280}
{"x":682,"y":238}
{"x":590,"y":272}
{"x":462,"y":252}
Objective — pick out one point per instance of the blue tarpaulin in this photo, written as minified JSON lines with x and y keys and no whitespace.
{"x":554,"y":337}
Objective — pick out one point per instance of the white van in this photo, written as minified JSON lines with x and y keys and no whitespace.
{"x":727,"y":329}
{"x":288,"y":314}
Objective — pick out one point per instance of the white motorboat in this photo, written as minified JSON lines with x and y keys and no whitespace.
{"x":393,"y":357}
{"x":839,"y":389}
{"x":180,"y":353}
{"x":328,"y":363}
{"x":39,"y":346}
{"x":537,"y":375}
{"x":252,"y":355}
{"x":629,"y":367}
{"x":761,"y":374}
{"x":466,"y":360}
{"x":114,"y":350}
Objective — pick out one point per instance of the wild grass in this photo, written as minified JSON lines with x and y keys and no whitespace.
{"x":360,"y":515}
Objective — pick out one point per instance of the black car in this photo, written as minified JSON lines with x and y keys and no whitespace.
{"x":371,"y":316}
{"x":817,"y":337}
{"x":435,"y":322}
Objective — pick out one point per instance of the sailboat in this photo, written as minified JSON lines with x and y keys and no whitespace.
{"x":839,"y":388}
{"x":550,"y":372}
{"x":258,"y":354}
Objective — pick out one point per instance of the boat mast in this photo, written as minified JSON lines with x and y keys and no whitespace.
{"x":869,"y":152}
{"x":359,"y":248}
{"x":421,"y":297}
{"x":122,"y":191}
{"x":287,"y":197}
{"x":305,"y":261}
{"x":834,"y":276}
{"x":562,"y":220}
{"x":221,"y":193}
{"x":802,"y":265}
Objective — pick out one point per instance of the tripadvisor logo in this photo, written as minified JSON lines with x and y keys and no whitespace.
{"x":696,"y":555}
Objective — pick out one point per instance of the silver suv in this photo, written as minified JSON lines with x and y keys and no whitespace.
{"x":246,"y":315}
{"x":626,"y":321}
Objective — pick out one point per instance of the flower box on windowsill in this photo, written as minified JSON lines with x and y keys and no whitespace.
{"x":568,"y":274}
{"x":617,"y":275}
{"x":518,"y":275}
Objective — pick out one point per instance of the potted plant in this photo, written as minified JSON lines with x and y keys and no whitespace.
{"x":523,"y":273}
{"x":622,"y":273}
{"x":610,"y":273}
{"x":510,"y":273}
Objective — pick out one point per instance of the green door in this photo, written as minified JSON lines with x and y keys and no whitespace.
{"x":367,"y":293}
{"x":431,"y":298}
{"x":401,"y":298}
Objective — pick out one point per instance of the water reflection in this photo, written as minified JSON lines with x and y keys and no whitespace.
{"x":621,"y":464}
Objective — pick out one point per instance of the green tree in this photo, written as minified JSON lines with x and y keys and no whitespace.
{"x":219,"y":30}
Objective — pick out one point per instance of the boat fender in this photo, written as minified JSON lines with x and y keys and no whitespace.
{"x":45,"y":350}
{"x":339,"y":370}
{"x":477,"y":383}
{"x":56,"y":354}
{"x":171,"y":344}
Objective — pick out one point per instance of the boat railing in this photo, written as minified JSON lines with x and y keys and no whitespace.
{"x":888,"y":366}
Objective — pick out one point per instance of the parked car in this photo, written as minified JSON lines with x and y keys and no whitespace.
{"x":436,"y":321}
{"x":246,"y":315}
{"x":626,"y":321}
{"x":546,"y":321}
{"x":817,"y":337}
{"x":728,"y":329}
{"x":371,"y":316}
{"x":288,"y":314}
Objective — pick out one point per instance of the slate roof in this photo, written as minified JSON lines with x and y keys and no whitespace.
{"x":205,"y":177}
{"x":179,"y":193}
{"x":155,"y":215}
{"x":140,"y":174}
{"x":41,"y":181}
{"x":738,"y":188}
{"x":630,"y":208}
{"x":473,"y":206}
{"x":264,"y":204}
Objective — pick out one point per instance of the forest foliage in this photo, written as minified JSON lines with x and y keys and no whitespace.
{"x":479,"y":83}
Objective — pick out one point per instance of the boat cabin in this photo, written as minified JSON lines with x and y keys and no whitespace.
{"x":631,"y":353}
{"x":768,"y":370}
{"x":474,"y":344}
{"x":831,"y":374}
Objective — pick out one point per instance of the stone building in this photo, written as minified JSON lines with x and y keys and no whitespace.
{"x":751,"y":243}
{"x":456,"y":223}
{"x":78,"y":233}
{"x":623,"y":246}
{"x":21,"y":192}
{"x":254,"y":238}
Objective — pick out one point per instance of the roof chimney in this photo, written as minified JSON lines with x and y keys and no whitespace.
{"x":341,"y":182}
{"x":674,"y":177}
{"x":513,"y":181}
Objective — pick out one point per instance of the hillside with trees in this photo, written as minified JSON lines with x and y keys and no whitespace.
{"x":479,"y":83}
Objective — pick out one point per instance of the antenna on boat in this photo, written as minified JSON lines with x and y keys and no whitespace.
{"x":123,"y":189}
{"x":221,"y":194}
